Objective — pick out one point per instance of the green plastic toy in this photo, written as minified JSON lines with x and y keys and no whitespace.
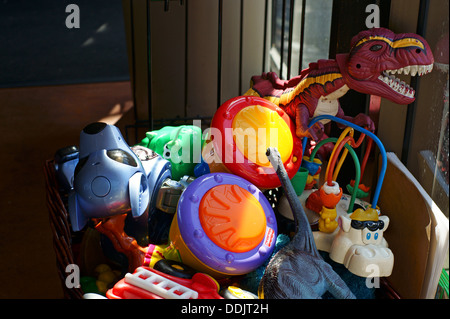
{"x":180,"y":145}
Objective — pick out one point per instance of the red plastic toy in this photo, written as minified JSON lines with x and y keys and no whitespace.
{"x":247,"y":126}
{"x":148,"y":283}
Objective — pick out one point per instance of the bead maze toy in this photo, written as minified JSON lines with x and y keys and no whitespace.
{"x":325,"y":200}
{"x":352,"y":244}
{"x":364,"y":132}
{"x":332,"y":211}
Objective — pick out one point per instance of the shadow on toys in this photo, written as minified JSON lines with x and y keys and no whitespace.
{"x":244,"y":249}
{"x":196,"y":242}
{"x":214,"y":208}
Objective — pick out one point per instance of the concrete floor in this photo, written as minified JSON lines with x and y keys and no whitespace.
{"x":34,"y":123}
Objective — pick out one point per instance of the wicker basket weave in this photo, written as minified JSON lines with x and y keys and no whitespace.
{"x":62,"y":235}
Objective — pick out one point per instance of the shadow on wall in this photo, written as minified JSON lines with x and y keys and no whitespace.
{"x":37,"y":48}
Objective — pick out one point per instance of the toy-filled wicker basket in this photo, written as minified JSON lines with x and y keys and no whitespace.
{"x":62,"y":234}
{"x":67,"y":244}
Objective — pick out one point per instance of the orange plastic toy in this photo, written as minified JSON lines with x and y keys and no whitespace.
{"x":224,"y":226}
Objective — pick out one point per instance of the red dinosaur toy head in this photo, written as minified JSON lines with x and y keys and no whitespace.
{"x":377,"y":54}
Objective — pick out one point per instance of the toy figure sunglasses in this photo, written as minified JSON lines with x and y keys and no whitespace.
{"x":370,"y":224}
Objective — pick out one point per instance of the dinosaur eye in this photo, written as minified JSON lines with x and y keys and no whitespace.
{"x":376,"y":47}
{"x":166,"y":153}
{"x":375,"y":236}
{"x":368,"y":236}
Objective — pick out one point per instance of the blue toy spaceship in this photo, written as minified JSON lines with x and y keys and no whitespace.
{"x":109,"y":178}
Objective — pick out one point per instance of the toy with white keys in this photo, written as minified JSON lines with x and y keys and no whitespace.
{"x":149,"y":283}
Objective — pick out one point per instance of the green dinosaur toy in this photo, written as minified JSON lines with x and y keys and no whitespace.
{"x":180,"y":145}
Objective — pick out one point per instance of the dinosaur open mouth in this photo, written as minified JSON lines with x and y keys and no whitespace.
{"x":400,"y":86}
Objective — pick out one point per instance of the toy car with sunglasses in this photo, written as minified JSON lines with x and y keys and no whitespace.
{"x":369,"y":224}
{"x":360,"y":246}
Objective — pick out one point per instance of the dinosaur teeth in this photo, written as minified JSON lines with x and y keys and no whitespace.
{"x":413,"y":70}
{"x":421,"y":70}
{"x":407,"y":69}
{"x":396,"y":84}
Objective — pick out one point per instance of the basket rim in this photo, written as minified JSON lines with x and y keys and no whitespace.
{"x":60,"y":226}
